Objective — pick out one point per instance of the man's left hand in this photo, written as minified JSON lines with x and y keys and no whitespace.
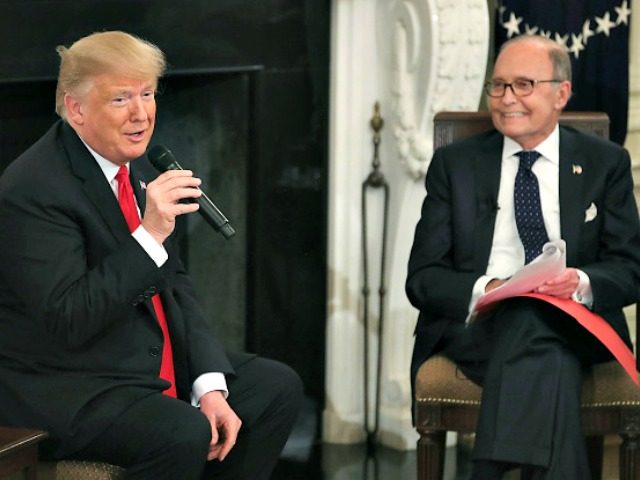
{"x":563,"y":286}
{"x":225,"y":424}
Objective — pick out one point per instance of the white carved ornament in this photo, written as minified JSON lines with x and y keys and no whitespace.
{"x":422,"y":83}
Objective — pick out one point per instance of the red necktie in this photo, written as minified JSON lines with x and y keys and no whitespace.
{"x":130,"y":211}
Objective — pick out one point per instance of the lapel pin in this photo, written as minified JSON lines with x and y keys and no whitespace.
{"x":143,"y":185}
{"x":577,"y":169}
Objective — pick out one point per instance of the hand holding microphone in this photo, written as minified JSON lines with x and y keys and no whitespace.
{"x":162,"y":159}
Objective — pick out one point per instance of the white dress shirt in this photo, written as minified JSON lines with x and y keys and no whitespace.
{"x":507,"y":252}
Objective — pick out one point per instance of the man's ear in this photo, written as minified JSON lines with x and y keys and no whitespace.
{"x":563,"y":94}
{"x":74,"y":109}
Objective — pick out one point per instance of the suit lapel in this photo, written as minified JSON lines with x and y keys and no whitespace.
{"x":571,"y":178}
{"x":487,"y":165}
{"x":95,"y":186}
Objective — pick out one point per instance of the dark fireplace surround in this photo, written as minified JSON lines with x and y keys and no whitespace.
{"x":252,"y":125}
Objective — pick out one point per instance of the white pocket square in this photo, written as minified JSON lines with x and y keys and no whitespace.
{"x":590,"y":213}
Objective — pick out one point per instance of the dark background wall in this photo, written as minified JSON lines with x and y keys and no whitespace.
{"x":244,"y":104}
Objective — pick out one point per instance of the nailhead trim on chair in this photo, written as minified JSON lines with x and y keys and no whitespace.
{"x":610,"y":404}
{"x":450,"y":401}
{"x":455,"y":401}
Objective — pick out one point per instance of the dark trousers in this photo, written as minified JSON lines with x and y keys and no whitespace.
{"x":529,"y":357}
{"x":160,"y":438}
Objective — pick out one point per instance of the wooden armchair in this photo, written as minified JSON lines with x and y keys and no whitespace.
{"x":447,"y":401}
{"x":19,"y":453}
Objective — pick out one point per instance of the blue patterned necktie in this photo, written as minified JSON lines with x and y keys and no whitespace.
{"x":526,"y":199}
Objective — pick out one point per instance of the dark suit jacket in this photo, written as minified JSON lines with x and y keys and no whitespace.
{"x":79,"y":341}
{"x":454,"y":235}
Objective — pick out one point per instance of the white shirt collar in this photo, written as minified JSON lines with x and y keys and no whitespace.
{"x":109,"y":169}
{"x":549,"y":148}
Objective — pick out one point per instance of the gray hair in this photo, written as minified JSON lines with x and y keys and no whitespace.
{"x":560,"y":60}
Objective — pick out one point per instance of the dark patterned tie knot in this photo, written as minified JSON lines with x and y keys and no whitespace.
{"x":528,"y":212}
{"x":528,"y":158}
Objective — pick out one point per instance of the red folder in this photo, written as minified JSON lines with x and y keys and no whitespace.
{"x":598,"y":327}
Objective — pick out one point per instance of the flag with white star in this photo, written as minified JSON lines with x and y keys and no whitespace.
{"x":595,"y":33}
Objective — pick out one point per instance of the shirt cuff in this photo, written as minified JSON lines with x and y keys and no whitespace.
{"x":208,"y":382}
{"x":583,"y":293}
{"x":478,"y":290}
{"x":156,"y":251}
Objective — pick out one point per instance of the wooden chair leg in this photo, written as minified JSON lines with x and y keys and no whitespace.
{"x":630,"y":456}
{"x":431,"y":451}
{"x":595,"y":453}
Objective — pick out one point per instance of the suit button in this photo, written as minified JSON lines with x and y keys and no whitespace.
{"x":154,"y":351}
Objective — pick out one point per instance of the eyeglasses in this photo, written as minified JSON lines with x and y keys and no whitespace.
{"x":520,"y":87}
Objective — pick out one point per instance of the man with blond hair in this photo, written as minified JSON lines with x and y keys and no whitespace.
{"x":102,"y":341}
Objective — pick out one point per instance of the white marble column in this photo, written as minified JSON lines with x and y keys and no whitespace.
{"x":632,"y":142}
{"x":415,"y":57}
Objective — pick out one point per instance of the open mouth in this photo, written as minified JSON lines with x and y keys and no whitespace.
{"x":136,"y":136}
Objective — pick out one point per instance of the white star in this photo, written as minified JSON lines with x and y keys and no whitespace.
{"x":623,"y":13}
{"x":513,"y":25}
{"x":586,"y":31}
{"x":604,"y":24}
{"x":546,"y":34}
{"x":562,"y":40}
{"x":530,"y":30}
{"x":576,"y":45}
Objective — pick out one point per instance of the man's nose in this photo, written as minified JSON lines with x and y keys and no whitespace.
{"x":509,"y":95}
{"x":137,"y":109}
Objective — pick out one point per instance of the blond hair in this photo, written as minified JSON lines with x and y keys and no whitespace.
{"x":105,"y":52}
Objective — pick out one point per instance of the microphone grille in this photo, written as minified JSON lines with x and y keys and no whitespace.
{"x":161,"y":157}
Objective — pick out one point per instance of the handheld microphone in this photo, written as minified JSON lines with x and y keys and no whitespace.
{"x":162,"y":158}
